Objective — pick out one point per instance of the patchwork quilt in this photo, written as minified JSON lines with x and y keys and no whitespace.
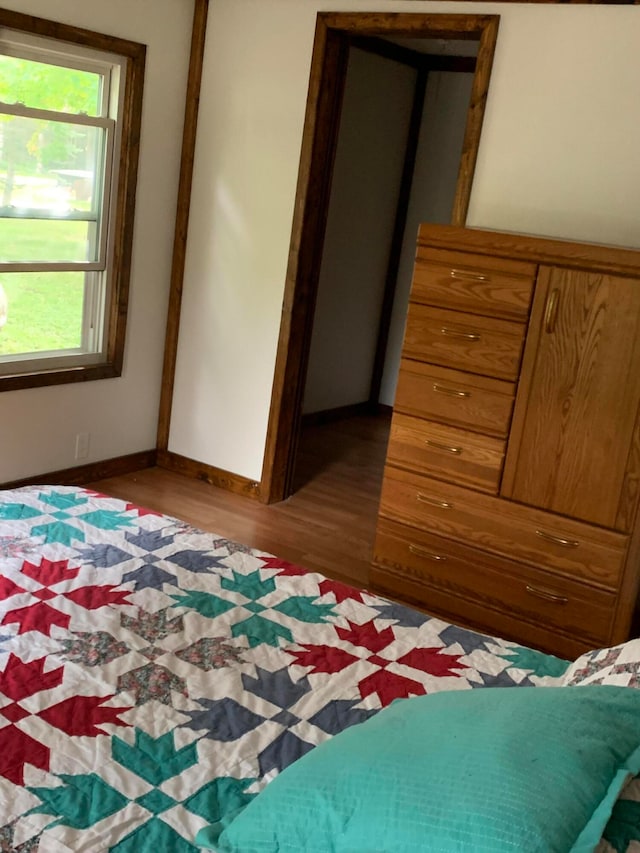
{"x":154,"y":678}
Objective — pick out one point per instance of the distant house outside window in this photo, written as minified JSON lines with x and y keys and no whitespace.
{"x":70,"y":103}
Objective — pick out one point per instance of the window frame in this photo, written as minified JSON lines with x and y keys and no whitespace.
{"x":51,"y":368}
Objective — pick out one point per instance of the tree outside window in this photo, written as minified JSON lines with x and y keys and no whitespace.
{"x":69,"y":125}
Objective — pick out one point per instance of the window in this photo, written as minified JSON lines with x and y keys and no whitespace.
{"x":70,"y":103}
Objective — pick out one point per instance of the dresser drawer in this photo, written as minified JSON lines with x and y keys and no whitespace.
{"x":447,"y":452}
{"x":464,"y":341}
{"x":460,"y":399}
{"x":473,"y":283}
{"x":560,"y":545}
{"x":493,"y":582}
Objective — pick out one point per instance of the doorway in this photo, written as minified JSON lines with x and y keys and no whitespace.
{"x":340,"y":37}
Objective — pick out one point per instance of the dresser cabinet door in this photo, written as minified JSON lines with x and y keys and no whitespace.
{"x":574,"y":442}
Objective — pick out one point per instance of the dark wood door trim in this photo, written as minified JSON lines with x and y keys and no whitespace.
{"x":194,"y":81}
{"x":319,"y":142}
{"x":475,"y":117}
{"x":326,"y":85}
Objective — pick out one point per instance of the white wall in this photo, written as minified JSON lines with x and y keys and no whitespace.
{"x":446,"y":103}
{"x":370,"y":156}
{"x":560,"y":147}
{"x":558,"y":157}
{"x":38,"y":426}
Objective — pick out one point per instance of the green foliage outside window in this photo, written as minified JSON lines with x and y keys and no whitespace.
{"x":36,"y":157}
{"x":35,"y":147}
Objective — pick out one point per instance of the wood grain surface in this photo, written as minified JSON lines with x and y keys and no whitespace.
{"x":473,"y":283}
{"x":453,"y":397}
{"x":581,"y":399}
{"x":469,"y":342}
{"x":446,"y":452}
{"x":503,"y":527}
{"x":528,"y":594}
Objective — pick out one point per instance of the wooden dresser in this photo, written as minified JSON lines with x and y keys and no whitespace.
{"x":512,"y":477}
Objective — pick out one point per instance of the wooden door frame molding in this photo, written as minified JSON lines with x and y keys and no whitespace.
{"x":189,"y":134}
{"x":326,"y":82}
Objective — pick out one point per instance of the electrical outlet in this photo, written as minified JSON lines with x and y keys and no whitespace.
{"x":82,"y":445}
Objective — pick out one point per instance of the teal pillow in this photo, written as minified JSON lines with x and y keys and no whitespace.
{"x":501,"y":769}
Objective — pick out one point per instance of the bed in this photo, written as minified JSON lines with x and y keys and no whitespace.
{"x":155,"y":678}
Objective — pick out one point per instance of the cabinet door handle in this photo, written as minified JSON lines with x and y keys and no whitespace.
{"x":551,"y":311}
{"x":451,"y":391}
{"x":422,"y":552}
{"x":470,"y":276}
{"x":454,"y":333}
{"x":548,"y":596}
{"x":447,"y":448}
{"x":557,"y":540}
{"x":425,"y":499}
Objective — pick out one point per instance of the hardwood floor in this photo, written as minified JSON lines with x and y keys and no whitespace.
{"x":327,"y":525}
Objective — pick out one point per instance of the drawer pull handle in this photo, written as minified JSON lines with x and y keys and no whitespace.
{"x":557,"y":540}
{"x":548,"y":596}
{"x":425,"y":499}
{"x":454,"y":333}
{"x":551,"y":311}
{"x":422,"y":552}
{"x":451,"y":391}
{"x":445,"y":447}
{"x":470,"y":276}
